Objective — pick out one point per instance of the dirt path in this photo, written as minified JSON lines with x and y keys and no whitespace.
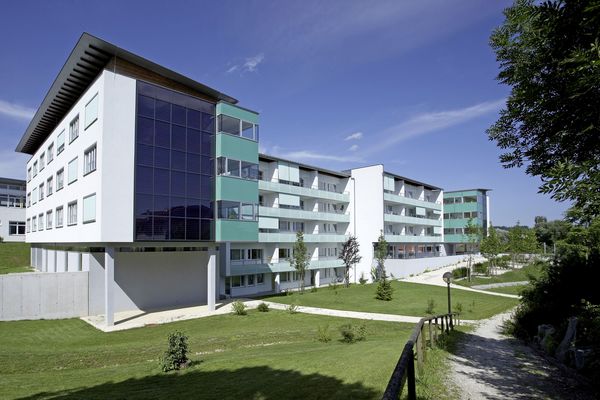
{"x":488,"y":365}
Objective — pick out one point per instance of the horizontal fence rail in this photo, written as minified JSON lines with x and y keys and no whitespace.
{"x":404,"y":373}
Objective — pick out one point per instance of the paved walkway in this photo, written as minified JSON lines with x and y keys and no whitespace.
{"x":501,"y":284}
{"x":488,"y":365}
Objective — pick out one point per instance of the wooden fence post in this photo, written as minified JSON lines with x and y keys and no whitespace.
{"x":410,"y":377}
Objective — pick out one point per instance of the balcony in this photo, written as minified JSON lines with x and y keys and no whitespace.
{"x":245,"y":267}
{"x":290,"y":237}
{"x":403,"y":219}
{"x":314,"y":192}
{"x":394,"y":198}
{"x":290,"y":213}
{"x":391,"y":238}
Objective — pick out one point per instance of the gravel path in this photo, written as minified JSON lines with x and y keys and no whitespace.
{"x":488,"y":365}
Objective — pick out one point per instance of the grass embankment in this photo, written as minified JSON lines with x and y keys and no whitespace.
{"x":409,"y":299}
{"x":515,"y":275}
{"x":259,"y":356}
{"x":14,"y":257}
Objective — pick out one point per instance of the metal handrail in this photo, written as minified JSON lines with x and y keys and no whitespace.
{"x":404,"y":372}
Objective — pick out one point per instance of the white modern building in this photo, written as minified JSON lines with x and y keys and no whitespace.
{"x":153,"y":184}
{"x":12,"y":210}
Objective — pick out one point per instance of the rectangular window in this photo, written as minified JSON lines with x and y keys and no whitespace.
{"x":49,"y":186}
{"x":91,"y":111}
{"x":236,"y":254}
{"x":72,"y":213}
{"x":60,"y":179}
{"x":41,"y":222}
{"x":28,"y":174}
{"x":41,"y":191}
{"x":284,"y":277}
{"x":34,"y":224}
{"x":247,"y":130}
{"x":233,"y":167}
{"x":59,"y":217}
{"x":28,"y":225}
{"x":89,"y":208}
{"x":250,"y":279}
{"x":28,"y":199}
{"x":34,"y":196}
{"x":89,"y":160}
{"x":42,"y":161}
{"x":74,"y":129}
{"x":221,"y":165}
{"x":16,"y":228}
{"x":72,"y":171}
{"x":247,"y":212}
{"x":60,"y":142}
{"x":49,"y":219}
{"x":228,"y":209}
{"x":236,"y":281}
{"x":229,"y":125}
{"x":50,"y":153}
{"x":35,"y":169}
{"x":249,"y":170}
{"x":284,"y":254}
{"x":260,"y":279}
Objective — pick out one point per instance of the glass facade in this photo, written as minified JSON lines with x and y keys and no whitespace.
{"x":174,"y":178}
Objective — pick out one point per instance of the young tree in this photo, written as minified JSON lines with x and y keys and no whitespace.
{"x":300,"y":258}
{"x":473,"y":232}
{"x":548,"y":55}
{"x":350,"y":256}
{"x":381,"y":253}
{"x":491,"y":246}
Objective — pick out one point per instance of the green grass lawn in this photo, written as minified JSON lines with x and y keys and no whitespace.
{"x":515,"y":275}
{"x":272,"y":355}
{"x":409,"y":299}
{"x":14,"y":257}
{"x":509,"y":289}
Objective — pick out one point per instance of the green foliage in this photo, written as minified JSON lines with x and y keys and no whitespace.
{"x":263,"y":307}
{"x":238,"y":308}
{"x":176,"y":355}
{"x":481,"y":268}
{"x":1,"y":239}
{"x":549,"y":54}
{"x":430,"y":307}
{"x":473,"y":232}
{"x":353,"y":333}
{"x":362,"y":280}
{"x":460,"y":272}
{"x":314,"y":289}
{"x":381,"y":253}
{"x":300,"y":259}
{"x":458,"y":307}
{"x":551,"y":232}
{"x":15,"y":257}
{"x":292,"y":308}
{"x":350,"y":256}
{"x":384,"y":289}
{"x":323,"y":334}
{"x":521,"y":241}
{"x":490,"y":247}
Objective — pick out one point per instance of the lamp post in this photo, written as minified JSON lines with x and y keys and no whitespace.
{"x":448,"y":279}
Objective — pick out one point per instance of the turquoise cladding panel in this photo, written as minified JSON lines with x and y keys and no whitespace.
{"x":237,"y":112}
{"x":236,"y":189}
{"x":237,"y":148}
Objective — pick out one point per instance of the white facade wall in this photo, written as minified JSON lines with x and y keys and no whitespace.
{"x":8,"y":214}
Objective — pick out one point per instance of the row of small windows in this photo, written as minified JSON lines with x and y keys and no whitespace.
{"x":459,"y":200}
{"x":237,"y":210}
{"x":452,"y":231}
{"x":241,"y":169}
{"x":461,"y":215}
{"x":91,"y":116}
{"x":45,"y":221}
{"x":246,"y":280}
{"x":237,"y":127}
{"x":8,"y":200}
{"x":47,"y":188}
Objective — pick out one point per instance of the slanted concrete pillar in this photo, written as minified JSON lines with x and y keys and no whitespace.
{"x":211,"y":279}
{"x":277,"y":287}
{"x":109,"y":283}
{"x":317,"y":278}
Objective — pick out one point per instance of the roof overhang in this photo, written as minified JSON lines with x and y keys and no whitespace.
{"x":338,"y":174}
{"x":86,"y":61}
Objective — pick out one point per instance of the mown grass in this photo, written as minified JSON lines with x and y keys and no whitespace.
{"x":409,"y":299}
{"x":514,"y":275}
{"x":14,"y":257}
{"x":272,"y":355}
{"x":509,"y":289}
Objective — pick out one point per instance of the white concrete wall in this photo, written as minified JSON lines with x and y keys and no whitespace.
{"x":8,"y":214}
{"x":403,"y":268}
{"x":38,"y":295}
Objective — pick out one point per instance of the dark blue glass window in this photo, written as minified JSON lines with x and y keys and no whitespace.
{"x":174,"y":181}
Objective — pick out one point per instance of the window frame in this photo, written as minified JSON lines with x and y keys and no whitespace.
{"x":93,"y":148}
{"x":69,"y":205}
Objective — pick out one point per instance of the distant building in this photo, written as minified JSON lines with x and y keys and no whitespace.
{"x":12,"y":210}
{"x":459,"y":207}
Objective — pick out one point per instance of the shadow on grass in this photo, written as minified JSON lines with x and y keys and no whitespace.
{"x":512,"y":369}
{"x":256,"y":383}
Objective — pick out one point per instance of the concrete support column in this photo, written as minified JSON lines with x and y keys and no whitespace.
{"x":277,"y":287}
{"x":317,"y":278}
{"x":211,"y":279}
{"x":109,"y":282}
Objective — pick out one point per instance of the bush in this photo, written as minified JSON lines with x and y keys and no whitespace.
{"x":458,"y":307}
{"x":384,"y":289}
{"x":323,"y":334}
{"x":292,"y":308}
{"x":351,"y":333}
{"x":430,"y":306}
{"x":314,"y":289}
{"x":481,"y":268}
{"x":263,"y":307}
{"x":238,"y":308}
{"x":362,"y":280}
{"x":460,"y":272}
{"x":176,"y":355}
{"x":1,"y":239}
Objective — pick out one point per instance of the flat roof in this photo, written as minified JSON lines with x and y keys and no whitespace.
{"x":12,"y":181}
{"x":86,"y":61}
{"x":412,"y":181}
{"x":338,"y":174}
{"x":468,"y":190}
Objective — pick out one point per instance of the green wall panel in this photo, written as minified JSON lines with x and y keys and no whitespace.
{"x":461,"y":207}
{"x":460,"y":223}
{"x":236,"y":231}
{"x":237,"y":112}
{"x":237,"y":148}
{"x":448,"y":195}
{"x":236,"y":189}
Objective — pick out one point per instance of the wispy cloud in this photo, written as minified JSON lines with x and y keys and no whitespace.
{"x":250,"y":65}
{"x":354,"y":147}
{"x":354,"y":136}
{"x":426,"y":123}
{"x":312,"y":155}
{"x":16,"y":110}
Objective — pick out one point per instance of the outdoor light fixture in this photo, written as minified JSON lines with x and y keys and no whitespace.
{"x":448,"y":279}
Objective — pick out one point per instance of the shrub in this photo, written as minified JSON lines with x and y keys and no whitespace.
{"x":351,"y":333}
{"x":333,"y":285}
{"x":460,"y":272}
{"x":362,"y":280}
{"x":481,"y":268}
{"x":430,"y":306}
{"x":263,"y":307}
{"x":176,"y":355}
{"x":238,"y":308}
{"x":384,"y":289}
{"x":314,"y":289}
{"x":1,"y":239}
{"x":292,"y":308}
{"x":323,"y":334}
{"x":458,"y":307}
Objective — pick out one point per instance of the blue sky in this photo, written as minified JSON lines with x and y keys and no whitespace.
{"x":339,"y":84}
